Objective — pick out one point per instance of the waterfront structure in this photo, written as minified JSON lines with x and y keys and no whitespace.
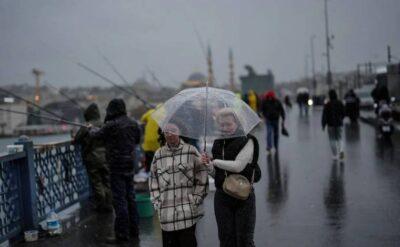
{"x":257,"y":82}
{"x":9,"y":121}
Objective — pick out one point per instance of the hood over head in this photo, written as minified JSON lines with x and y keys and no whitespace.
{"x":332,"y":95}
{"x":92,"y":113}
{"x":115,"y":108}
{"x":270,"y":95}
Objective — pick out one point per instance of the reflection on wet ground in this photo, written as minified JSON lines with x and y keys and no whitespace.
{"x":277,"y":183}
{"x":303,"y":198}
{"x":334,"y":196}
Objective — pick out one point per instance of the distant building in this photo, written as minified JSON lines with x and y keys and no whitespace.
{"x":196,"y":79}
{"x":10,"y":121}
{"x":393,"y":80}
{"x":258,"y":83}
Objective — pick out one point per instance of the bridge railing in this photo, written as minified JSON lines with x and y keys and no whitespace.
{"x":11,"y":195}
{"x":36,"y":181}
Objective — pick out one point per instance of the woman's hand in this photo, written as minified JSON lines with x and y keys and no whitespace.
{"x":205,"y":159}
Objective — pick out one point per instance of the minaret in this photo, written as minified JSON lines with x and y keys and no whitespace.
{"x":210,"y":69}
{"x":231,"y":71}
{"x":38,"y":74}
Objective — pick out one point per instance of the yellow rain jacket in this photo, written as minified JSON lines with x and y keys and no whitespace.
{"x":150,"y":142}
{"x":253,"y":100}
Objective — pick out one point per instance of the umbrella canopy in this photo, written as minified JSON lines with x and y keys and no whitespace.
{"x":195,"y":112}
{"x":302,"y":90}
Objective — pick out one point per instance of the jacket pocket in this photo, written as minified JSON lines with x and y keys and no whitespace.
{"x":163,"y":178}
{"x":186,"y":174}
{"x":185,"y":212}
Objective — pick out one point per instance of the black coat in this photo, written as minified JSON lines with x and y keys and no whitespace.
{"x":228,"y":149}
{"x":272,"y":110}
{"x":93,"y":149}
{"x":352,"y":106}
{"x":333,"y":114}
{"x":121,"y":135}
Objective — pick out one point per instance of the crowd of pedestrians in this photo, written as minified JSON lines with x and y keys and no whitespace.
{"x":179,"y":173}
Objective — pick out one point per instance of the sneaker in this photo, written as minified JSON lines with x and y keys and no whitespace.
{"x":117,"y":240}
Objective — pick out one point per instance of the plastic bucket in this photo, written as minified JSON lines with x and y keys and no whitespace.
{"x":31,"y":236}
{"x":144,"y":205}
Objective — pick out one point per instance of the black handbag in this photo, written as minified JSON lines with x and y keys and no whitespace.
{"x":284,"y":131}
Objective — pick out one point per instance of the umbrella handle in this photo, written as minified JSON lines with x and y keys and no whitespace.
{"x":205,"y":118}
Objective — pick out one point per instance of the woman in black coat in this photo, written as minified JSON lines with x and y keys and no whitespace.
{"x":233,"y":155}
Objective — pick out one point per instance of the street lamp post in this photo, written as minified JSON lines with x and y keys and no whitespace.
{"x":328,"y":47}
{"x":314,"y":81}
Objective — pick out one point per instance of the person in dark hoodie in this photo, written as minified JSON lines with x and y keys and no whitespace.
{"x":332,"y":116}
{"x":272,"y":110}
{"x":352,"y":106}
{"x":121,"y":135}
{"x":94,"y":158}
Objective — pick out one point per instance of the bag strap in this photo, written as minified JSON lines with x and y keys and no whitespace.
{"x":255,"y":155}
{"x":256,"y":149}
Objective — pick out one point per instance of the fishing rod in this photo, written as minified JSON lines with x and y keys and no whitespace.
{"x":30,"y":102}
{"x":196,"y":31}
{"x":44,"y":117}
{"x":153,"y":76}
{"x":65,"y":95}
{"x":125,"y":81}
{"x":111,"y":82}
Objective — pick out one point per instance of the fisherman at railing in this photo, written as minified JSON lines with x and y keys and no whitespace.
{"x":121,"y":135}
{"x":94,"y":158}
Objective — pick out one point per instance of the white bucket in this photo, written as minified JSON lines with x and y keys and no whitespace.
{"x":31,"y":235}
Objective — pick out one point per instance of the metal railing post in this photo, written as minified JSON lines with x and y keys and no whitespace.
{"x":28,"y":186}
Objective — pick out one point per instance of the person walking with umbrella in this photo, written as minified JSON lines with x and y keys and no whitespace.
{"x":178,"y":185}
{"x":236,"y":153}
{"x":226,"y":119}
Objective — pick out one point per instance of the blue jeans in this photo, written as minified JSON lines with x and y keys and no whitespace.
{"x":126,"y":215}
{"x":335,"y":139}
{"x":272,"y":133}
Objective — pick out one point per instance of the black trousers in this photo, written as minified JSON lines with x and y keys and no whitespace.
{"x":235,"y":219}
{"x":148,"y":157}
{"x":126,"y":215}
{"x":181,"y":238}
{"x":99,"y":177}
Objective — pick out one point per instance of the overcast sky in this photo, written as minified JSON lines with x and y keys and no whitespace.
{"x":133,"y":34}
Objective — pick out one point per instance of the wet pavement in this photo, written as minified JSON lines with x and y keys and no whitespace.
{"x":304,"y":197}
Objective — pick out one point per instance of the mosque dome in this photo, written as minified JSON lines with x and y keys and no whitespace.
{"x":197,"y":76}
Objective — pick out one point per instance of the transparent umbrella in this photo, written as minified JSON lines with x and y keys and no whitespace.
{"x":194,"y":112}
{"x":302,"y":90}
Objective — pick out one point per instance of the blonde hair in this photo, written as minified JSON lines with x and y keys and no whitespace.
{"x":226,"y":112}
